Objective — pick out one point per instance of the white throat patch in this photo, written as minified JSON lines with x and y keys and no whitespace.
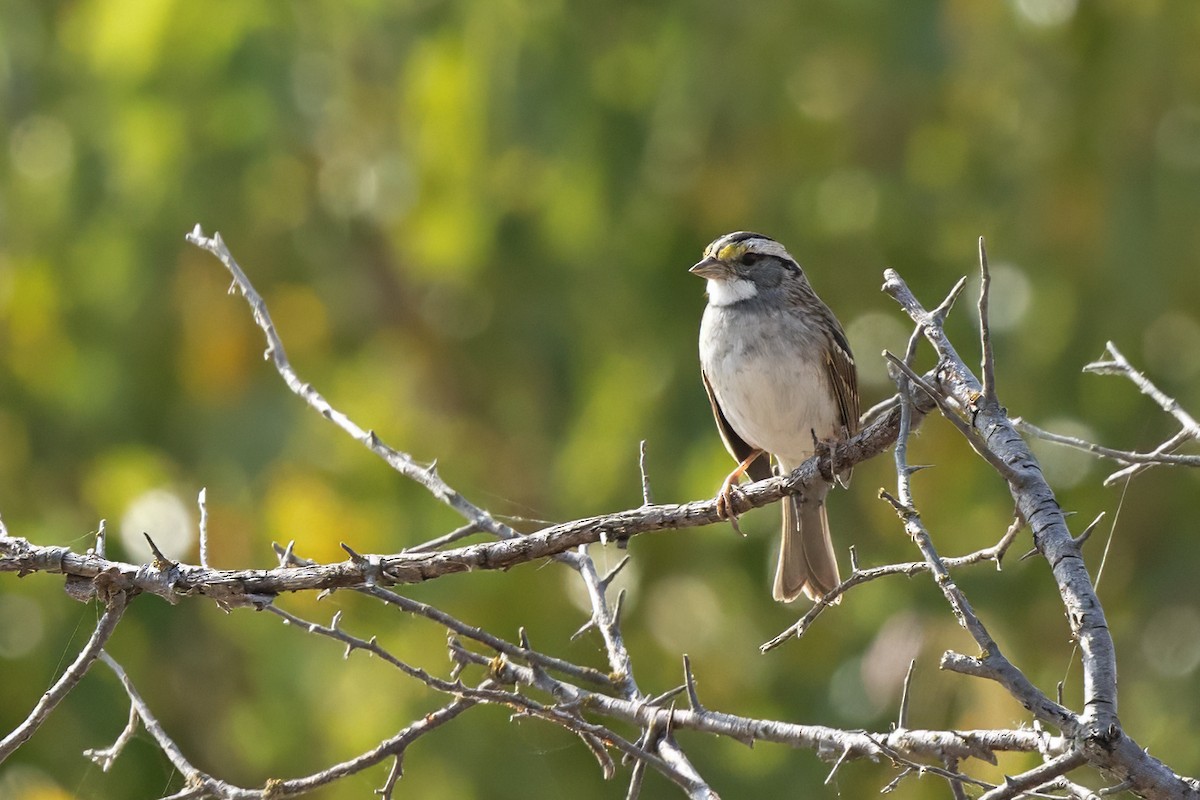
{"x":726,"y":293}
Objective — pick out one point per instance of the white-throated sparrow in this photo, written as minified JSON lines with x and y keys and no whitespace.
{"x":781,"y":377}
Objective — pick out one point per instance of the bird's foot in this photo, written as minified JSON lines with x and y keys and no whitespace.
{"x":829,"y":469}
{"x":729,"y":495}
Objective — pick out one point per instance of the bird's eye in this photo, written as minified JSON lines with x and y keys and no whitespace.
{"x":749,"y":258}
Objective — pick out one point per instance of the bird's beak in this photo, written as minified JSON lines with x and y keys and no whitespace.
{"x":711,"y":268}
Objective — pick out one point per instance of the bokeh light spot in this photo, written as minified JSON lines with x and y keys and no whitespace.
{"x":679,"y":609}
{"x":870,"y":334}
{"x":849,"y":696}
{"x":1171,"y":641}
{"x":1064,"y":467}
{"x":887,"y":659}
{"x":1009,"y":297}
{"x":163,"y":516}
{"x":1046,"y":13}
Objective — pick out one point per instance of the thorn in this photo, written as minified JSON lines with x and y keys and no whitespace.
{"x":902,"y":719}
{"x":669,"y":727}
{"x":667,"y":695}
{"x":102,"y":538}
{"x":202,"y":503}
{"x":355,"y":557}
{"x":1087,"y":532}
{"x":160,"y":561}
{"x":634,"y":792}
{"x":690,"y":683}
{"x":607,"y":580}
{"x":647,"y":496}
{"x":286,"y":554}
{"x":617,"y":608}
{"x":587,"y":626}
{"x":943,"y":310}
{"x":838,"y":764}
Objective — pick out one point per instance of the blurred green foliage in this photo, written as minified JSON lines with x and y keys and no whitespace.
{"x":472,"y":223}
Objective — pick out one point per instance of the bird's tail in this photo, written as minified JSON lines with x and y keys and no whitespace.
{"x":807,"y":563}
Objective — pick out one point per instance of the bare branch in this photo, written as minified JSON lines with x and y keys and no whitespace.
{"x":906,"y":569}
{"x":106,"y":757}
{"x":647,"y":713}
{"x":1135,"y":462}
{"x":1037,"y":777}
{"x":647,"y":496}
{"x":1168,"y":446}
{"x":202,"y":502}
{"x":212,"y":787}
{"x":1104,"y":742}
{"x":950,"y":413}
{"x":1119,"y":365}
{"x":1126,"y":457}
{"x":173,"y":581}
{"x":521,"y":653}
{"x":1001,"y":668}
{"x":604,"y":706}
{"x":985,"y":332}
{"x":115,"y":606}
{"x":424,"y":474}
{"x":461,"y":532}
{"x":171,"y":750}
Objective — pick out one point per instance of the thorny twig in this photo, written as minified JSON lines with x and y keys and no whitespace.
{"x":114,"y":609}
{"x":1105,"y":745}
{"x":614,"y":695}
{"x":1135,"y":462}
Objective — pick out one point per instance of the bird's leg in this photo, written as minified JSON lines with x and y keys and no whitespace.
{"x":830,"y":446}
{"x":843,"y":476}
{"x":729,"y":488}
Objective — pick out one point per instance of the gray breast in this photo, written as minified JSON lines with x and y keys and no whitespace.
{"x":767,"y":369}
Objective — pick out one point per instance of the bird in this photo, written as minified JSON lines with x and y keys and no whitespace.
{"x":780,"y":376}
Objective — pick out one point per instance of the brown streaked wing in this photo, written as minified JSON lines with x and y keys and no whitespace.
{"x":843,"y":376}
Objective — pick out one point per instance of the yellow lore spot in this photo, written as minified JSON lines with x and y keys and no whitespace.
{"x":731,"y":252}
